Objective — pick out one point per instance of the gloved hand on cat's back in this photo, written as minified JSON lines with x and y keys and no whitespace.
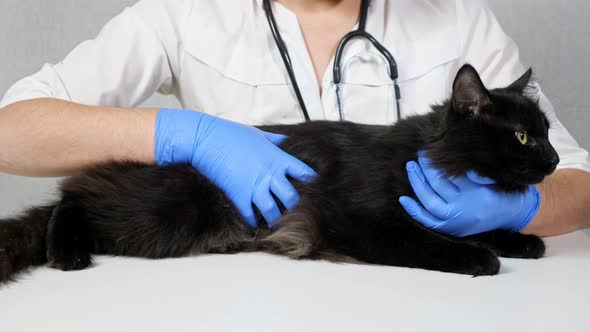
{"x":245,"y":162}
{"x":465,"y":205}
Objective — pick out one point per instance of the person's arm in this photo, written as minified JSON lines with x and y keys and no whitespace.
{"x":565,"y":195}
{"x":134,"y":55}
{"x":47,"y":126}
{"x":565,"y":204}
{"x":51,"y":137}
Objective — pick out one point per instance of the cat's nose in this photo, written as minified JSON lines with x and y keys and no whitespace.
{"x":553,"y":162}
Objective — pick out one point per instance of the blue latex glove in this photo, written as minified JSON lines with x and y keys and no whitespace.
{"x":465,"y":205}
{"x":245,"y":162}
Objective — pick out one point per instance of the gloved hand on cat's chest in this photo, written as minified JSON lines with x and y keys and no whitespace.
{"x":507,"y":139}
{"x":466,"y":205}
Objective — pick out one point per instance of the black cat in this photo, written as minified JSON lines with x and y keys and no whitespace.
{"x":348,"y":213}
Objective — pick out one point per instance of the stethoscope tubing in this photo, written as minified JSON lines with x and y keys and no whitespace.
{"x":360,"y":32}
{"x":285,"y":55}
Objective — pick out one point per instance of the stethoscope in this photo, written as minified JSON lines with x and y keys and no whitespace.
{"x":358,"y":33}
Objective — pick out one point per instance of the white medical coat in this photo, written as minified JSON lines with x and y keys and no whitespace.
{"x":219,"y":57}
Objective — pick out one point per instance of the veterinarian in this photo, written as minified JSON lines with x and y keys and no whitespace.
{"x":220,"y":58}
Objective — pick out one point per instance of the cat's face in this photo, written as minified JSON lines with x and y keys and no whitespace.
{"x":501,"y":133}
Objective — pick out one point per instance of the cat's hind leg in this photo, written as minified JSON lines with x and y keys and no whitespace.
{"x":69,"y":240}
{"x":140,"y":210}
{"x":508,"y":244}
{"x":297,"y":235}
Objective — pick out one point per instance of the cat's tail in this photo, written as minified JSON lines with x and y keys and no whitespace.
{"x":22,"y":241}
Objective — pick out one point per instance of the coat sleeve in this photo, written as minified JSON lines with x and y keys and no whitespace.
{"x":495,"y":55}
{"x":134,"y":55}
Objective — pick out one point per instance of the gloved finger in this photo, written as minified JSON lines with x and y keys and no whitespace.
{"x":421,"y":153}
{"x":437,"y":178}
{"x":266,"y":204}
{"x":276,"y":139}
{"x":475,"y":177}
{"x":419,"y":214}
{"x":299,"y":171}
{"x":427,"y":196}
{"x":284,"y":191}
{"x":247,"y":213}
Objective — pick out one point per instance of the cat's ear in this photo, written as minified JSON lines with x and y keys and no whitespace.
{"x":469,"y":93}
{"x":520,"y":84}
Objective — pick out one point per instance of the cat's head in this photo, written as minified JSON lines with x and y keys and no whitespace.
{"x":500,"y":133}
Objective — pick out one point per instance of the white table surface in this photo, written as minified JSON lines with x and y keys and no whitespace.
{"x":259,"y":292}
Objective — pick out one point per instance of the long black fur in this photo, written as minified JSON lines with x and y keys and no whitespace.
{"x":348,"y":213}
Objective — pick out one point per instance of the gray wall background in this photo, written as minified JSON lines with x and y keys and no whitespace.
{"x":554,"y":38}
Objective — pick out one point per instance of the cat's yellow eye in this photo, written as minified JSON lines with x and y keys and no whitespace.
{"x":522,"y":136}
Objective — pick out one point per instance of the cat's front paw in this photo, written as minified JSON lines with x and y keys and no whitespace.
{"x":68,"y":259}
{"x":524,"y":246}
{"x":471,"y":261}
{"x":482,"y":262}
{"x":511,"y":245}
